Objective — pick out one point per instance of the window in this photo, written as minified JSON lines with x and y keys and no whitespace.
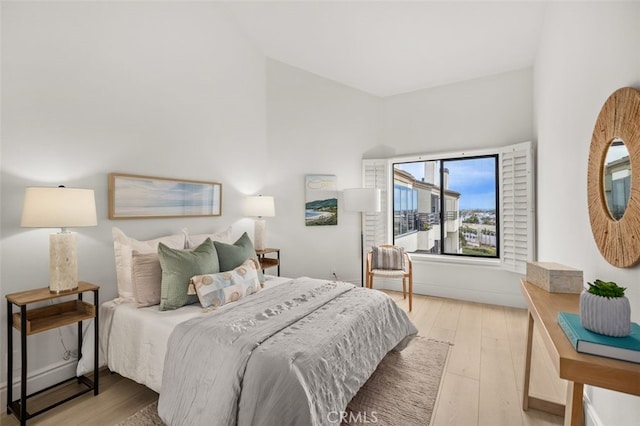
{"x":447,"y":206}
{"x":491,"y":221}
{"x":405,"y":210}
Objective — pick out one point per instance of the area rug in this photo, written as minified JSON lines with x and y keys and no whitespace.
{"x":402,"y":390}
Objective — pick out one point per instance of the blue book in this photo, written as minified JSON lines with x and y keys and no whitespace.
{"x":625,"y":348}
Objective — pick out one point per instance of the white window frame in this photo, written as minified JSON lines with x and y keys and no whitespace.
{"x":516,"y":204}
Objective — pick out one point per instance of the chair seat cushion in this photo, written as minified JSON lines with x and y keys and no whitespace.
{"x":388,"y":272}
{"x":387,"y":258}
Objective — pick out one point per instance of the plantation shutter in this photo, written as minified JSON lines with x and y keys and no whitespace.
{"x":517,"y":210}
{"x":375,"y":175}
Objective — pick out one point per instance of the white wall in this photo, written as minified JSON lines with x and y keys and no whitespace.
{"x":157,"y":89}
{"x":487,"y":112}
{"x":480,"y":113}
{"x":577,"y":68}
{"x":315,"y":126}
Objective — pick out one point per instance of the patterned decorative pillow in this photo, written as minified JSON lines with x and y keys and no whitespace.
{"x":215,"y":290}
{"x":387,"y":258}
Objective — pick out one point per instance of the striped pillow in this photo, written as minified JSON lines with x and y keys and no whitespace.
{"x":387,"y":258}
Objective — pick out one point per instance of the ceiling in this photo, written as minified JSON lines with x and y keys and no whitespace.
{"x":391,"y":47}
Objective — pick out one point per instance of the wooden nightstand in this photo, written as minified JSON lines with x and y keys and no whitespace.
{"x":36,"y":320}
{"x":269,"y":262}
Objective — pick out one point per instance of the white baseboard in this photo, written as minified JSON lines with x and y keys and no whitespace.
{"x":40,"y":379}
{"x":479,"y":296}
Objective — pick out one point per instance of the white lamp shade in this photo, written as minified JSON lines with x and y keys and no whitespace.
{"x":362,"y":200}
{"x":58,"y":208}
{"x":259,"y":206}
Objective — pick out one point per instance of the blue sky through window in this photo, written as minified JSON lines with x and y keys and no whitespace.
{"x":473,"y":178}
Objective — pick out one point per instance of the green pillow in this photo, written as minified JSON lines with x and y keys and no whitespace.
{"x":230,"y":256}
{"x":178,"y":266}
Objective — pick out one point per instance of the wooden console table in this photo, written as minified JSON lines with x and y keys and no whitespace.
{"x":577,"y":368}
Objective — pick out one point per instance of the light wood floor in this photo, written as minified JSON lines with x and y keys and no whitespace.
{"x":482,"y":383}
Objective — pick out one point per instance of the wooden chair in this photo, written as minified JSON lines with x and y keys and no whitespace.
{"x":406,"y":274}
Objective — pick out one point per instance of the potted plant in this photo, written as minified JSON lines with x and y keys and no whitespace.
{"x":604,"y":309}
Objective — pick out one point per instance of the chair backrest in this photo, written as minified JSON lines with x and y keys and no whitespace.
{"x":387,"y":257}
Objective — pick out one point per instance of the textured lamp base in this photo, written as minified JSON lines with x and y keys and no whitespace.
{"x":260,"y":231}
{"x":63,"y":262}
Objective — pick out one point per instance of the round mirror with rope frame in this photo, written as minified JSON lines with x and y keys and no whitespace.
{"x":618,"y":240}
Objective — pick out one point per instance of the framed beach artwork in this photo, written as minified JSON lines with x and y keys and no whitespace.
{"x":321,"y":200}
{"x":139,"y":197}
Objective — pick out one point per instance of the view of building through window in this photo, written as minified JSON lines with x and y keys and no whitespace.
{"x":447,"y":206}
{"x":617,"y":178}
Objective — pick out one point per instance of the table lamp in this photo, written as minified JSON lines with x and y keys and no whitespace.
{"x":260,"y":206}
{"x":60,"y":208}
{"x":362,"y":200}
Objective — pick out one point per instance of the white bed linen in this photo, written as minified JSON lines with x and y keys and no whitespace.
{"x":134,"y":340}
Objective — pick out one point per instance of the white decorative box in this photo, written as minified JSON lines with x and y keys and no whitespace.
{"x":554,"y":277}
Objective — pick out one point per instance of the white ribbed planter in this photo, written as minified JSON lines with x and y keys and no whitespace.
{"x":611,"y":317}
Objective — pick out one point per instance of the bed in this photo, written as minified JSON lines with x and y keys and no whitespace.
{"x":292,"y":353}
{"x":133,"y":340}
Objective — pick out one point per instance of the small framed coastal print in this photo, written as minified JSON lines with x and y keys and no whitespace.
{"x":141,"y":197}
{"x":321,"y":200}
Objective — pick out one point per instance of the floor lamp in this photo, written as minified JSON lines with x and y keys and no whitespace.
{"x":362,"y":200}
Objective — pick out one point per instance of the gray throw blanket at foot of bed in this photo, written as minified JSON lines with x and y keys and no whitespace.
{"x":292,"y":355}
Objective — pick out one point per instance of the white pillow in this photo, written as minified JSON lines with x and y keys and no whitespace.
{"x":123,"y":247}
{"x":194,"y":241}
